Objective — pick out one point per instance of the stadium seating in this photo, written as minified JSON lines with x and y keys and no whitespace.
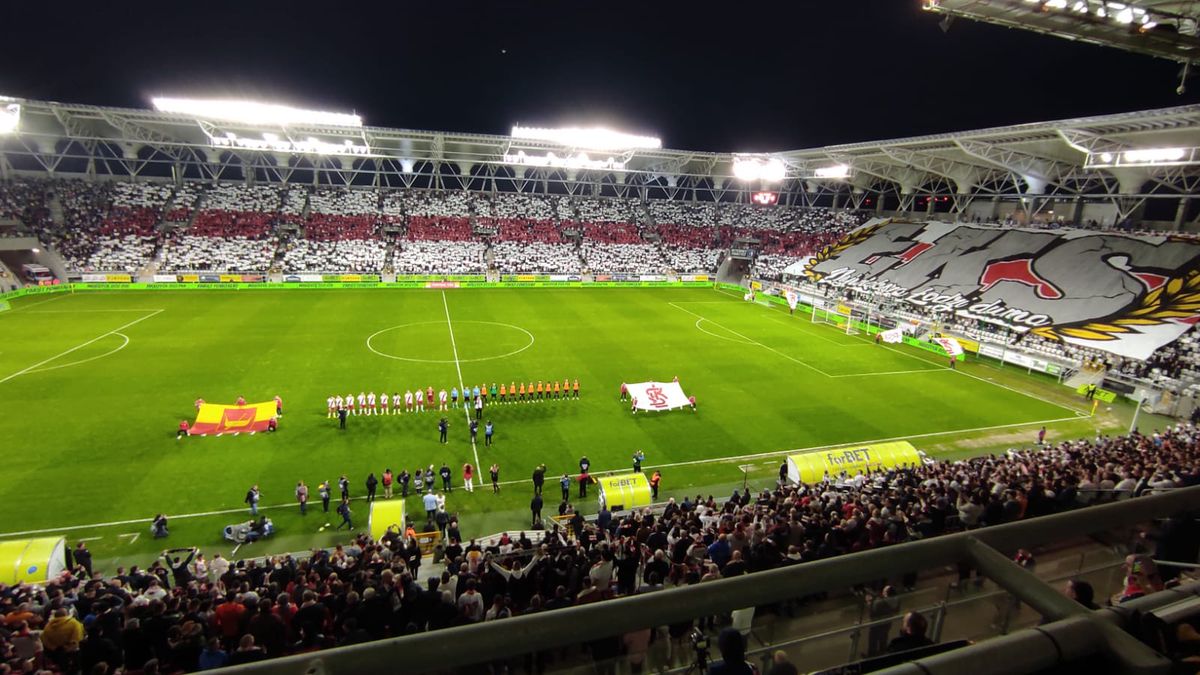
{"x":440,"y":257}
{"x":515,"y":257}
{"x":365,"y":589}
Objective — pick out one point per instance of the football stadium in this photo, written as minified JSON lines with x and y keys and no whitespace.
{"x":290,"y":389}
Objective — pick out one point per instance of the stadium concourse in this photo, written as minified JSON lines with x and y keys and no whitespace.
{"x":185,"y":613}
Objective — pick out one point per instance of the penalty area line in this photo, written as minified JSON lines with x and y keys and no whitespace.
{"x":76,"y":348}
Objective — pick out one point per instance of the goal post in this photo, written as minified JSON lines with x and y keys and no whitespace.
{"x":838,"y":316}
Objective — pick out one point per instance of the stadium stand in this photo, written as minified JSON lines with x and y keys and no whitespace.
{"x":191,"y":613}
{"x":442,"y":256}
{"x":341,"y":233}
{"x":232,"y":231}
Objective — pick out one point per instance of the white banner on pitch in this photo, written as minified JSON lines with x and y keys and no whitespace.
{"x":658,"y":395}
{"x":950,"y":345}
{"x":893,"y":336}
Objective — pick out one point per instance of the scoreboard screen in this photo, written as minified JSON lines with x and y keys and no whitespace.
{"x":765,"y":198}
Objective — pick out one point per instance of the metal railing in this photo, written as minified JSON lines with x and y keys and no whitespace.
{"x":1073,"y":633}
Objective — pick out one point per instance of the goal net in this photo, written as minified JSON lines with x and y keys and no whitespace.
{"x":838,"y":316}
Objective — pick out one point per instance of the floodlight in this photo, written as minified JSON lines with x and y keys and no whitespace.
{"x":10,"y":116}
{"x":1153,"y":155}
{"x":835,"y":171}
{"x":251,"y":112}
{"x":594,"y":138}
{"x":770,"y":169}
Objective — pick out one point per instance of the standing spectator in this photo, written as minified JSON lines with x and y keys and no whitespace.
{"x":654,"y":481}
{"x":733,"y":654}
{"x":495,"y":475}
{"x":62,"y":634}
{"x":474,"y":431}
{"x":387,"y":483}
{"x":252,"y":497}
{"x":83,"y":558}
{"x":883,"y":608}
{"x":584,"y":479}
{"x":403,"y":479}
{"x":343,"y":510}
{"x":323,"y":489}
{"x":302,"y":497}
{"x":478,"y":407}
{"x":372,"y":484}
{"x":539,"y":478}
{"x":342,"y":413}
{"x":912,"y":634}
{"x":535,"y":509}
{"x":638,"y":458}
{"x":444,"y":472}
{"x":430,"y":503}
{"x":584,"y":464}
{"x":344,"y":485}
{"x":565,"y":484}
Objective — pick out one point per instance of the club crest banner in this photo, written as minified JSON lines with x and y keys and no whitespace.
{"x":1120,"y":293}
{"x":218,"y":419}
{"x":658,"y":395}
{"x":950,"y":345}
{"x":893,"y":336}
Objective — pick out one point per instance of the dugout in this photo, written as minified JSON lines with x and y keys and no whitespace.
{"x":625,"y":491}
{"x":812,"y":467}
{"x":385,"y":514}
{"x":32,"y":560}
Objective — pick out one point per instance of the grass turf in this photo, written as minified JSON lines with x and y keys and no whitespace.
{"x":94,"y":384}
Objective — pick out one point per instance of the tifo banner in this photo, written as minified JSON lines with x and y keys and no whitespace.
{"x":793,"y":299}
{"x":893,"y":336}
{"x":813,"y":467}
{"x":219,"y":419}
{"x":625,"y":491}
{"x":1121,"y":293}
{"x":658,"y":395}
{"x":950,"y":345}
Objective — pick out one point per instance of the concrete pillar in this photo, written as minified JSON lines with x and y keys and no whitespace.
{"x":930,"y":203}
{"x":1077,"y":212}
{"x":837,"y":200}
{"x":1181,"y":212}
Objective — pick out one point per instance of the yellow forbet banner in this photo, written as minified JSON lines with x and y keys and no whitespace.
{"x":189,"y":278}
{"x":813,"y":467}
{"x":756,"y":285}
{"x":118,"y":278}
{"x":219,"y":419}
{"x":32,"y":560}
{"x":626,"y":491}
{"x":526,"y":277}
{"x":385,"y":514}
{"x":230,"y":277}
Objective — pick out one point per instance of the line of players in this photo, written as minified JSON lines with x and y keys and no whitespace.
{"x":370,"y":403}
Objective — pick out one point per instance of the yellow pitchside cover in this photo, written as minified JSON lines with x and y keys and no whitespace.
{"x":32,"y":560}
{"x":812,"y":467}
{"x":385,"y":514}
{"x":626,"y":491}
{"x":219,"y":418}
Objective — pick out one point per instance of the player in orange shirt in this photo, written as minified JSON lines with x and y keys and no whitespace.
{"x":522,"y":391}
{"x":539,"y":389}
{"x":503,"y":392}
{"x":576,"y":388}
{"x":557,"y":391}
{"x":530,"y":391}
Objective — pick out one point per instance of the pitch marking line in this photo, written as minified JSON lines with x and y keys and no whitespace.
{"x":461,"y":386}
{"x":711,"y":460}
{"x":39,"y":364}
{"x":84,"y":311}
{"x":93,"y":358}
{"x":750,"y":341}
{"x":22,"y":308}
{"x":701,"y":329}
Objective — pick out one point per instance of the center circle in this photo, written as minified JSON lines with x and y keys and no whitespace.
{"x":489,"y":340}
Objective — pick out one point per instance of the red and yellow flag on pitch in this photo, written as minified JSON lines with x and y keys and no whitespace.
{"x":218,"y":418}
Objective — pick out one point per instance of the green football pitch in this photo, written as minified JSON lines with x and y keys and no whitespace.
{"x":93,"y":386}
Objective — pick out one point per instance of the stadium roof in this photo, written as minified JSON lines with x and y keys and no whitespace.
{"x":1125,"y":157}
{"x":1161,"y":28}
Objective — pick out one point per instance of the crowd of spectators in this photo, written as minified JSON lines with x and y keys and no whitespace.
{"x":608,"y":258}
{"x":440,"y":257}
{"x":186,"y":613}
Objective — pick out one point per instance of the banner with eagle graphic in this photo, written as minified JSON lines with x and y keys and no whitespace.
{"x":1121,"y":293}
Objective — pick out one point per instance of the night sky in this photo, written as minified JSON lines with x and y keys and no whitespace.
{"x":724,"y":76}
